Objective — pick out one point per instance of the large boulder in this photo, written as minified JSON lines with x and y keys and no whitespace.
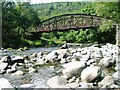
{"x":108,"y":80}
{"x":89,"y":74}
{"x":56,"y":82}
{"x":73,"y":68}
{"x":4,"y":83}
{"x":106,"y":62}
{"x":116,"y":77}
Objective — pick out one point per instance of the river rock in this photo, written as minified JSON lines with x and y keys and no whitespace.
{"x":72,"y":79}
{"x":84,"y":51}
{"x":56,"y":81}
{"x":77,"y":54}
{"x":12,"y":69}
{"x":17,"y":73}
{"x":109,"y":46}
{"x":4,"y":83}
{"x":14,"y":66}
{"x":40,"y":61}
{"x":18,"y":59}
{"x":63,"y":55}
{"x":106,"y":62}
{"x":62,"y":86}
{"x":52,"y":56}
{"x":52,"y":67}
{"x":116,"y":77}
{"x":31,"y":70}
{"x":65,"y":46}
{"x":40,"y":54}
{"x":72,"y":85}
{"x":108,"y":80}
{"x":3,"y":59}
{"x":90,"y":73}
{"x":6,"y":59}
{"x":84,"y":58}
{"x":114,"y":86}
{"x":63,"y":60}
{"x":3,"y":66}
{"x":8,"y":71}
{"x":91,"y":61}
{"x":34,"y":55}
{"x":26,"y":86}
{"x":73,"y":68}
{"x":85,"y":85}
{"x":117,"y":68}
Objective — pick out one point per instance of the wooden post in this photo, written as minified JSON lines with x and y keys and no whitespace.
{"x":117,"y":34}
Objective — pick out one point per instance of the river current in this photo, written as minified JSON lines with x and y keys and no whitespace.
{"x":37,"y":79}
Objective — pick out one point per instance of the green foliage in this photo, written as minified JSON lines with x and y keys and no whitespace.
{"x":17,"y":19}
{"x":53,"y":9}
{"x":71,"y":36}
{"x":37,"y":44}
{"x":20,"y":19}
{"x":108,"y":10}
{"x":106,"y":25}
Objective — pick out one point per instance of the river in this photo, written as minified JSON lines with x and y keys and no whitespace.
{"x":45,"y":71}
{"x":37,"y":79}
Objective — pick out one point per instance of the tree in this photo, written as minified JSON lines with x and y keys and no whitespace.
{"x":108,"y":10}
{"x":17,"y":19}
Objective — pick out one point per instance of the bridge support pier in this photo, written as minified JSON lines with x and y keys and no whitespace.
{"x":117,"y":34}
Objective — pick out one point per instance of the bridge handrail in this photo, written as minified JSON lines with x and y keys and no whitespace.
{"x":70,"y":15}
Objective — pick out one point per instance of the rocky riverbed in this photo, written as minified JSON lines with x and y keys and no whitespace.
{"x":94,"y":66}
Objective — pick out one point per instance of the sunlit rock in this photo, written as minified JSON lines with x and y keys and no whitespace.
{"x":90,"y":73}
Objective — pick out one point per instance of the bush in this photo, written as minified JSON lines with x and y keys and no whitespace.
{"x":37,"y":43}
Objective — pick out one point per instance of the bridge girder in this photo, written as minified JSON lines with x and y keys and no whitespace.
{"x":69,"y":21}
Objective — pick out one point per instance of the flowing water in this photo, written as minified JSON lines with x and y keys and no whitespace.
{"x":37,"y":79}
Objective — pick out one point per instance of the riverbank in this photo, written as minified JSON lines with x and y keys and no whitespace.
{"x":93,"y":66}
